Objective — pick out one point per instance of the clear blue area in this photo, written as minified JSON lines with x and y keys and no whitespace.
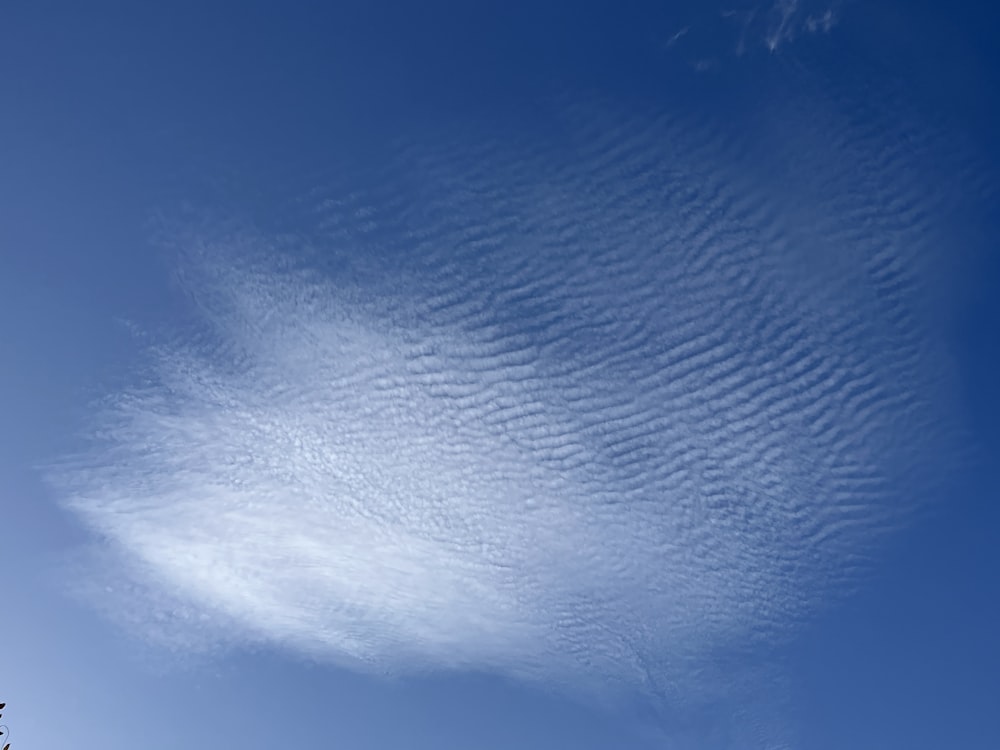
{"x":126,"y":129}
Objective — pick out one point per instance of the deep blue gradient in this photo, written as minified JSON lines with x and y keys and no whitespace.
{"x":131,"y":135}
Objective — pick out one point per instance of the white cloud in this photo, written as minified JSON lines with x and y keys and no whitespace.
{"x":579,"y":421}
{"x":677,"y":36}
{"x":741,"y":29}
{"x":781,"y":23}
{"x":823,"y":22}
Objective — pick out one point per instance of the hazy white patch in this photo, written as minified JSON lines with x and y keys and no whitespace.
{"x":677,"y":36}
{"x":745,"y":29}
{"x":780,"y":27}
{"x":823,"y":22}
{"x":742,"y":21}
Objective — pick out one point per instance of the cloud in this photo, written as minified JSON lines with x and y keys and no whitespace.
{"x":790,"y":18}
{"x":743,"y":28}
{"x":601,"y":420}
{"x":781,"y":23}
{"x":823,"y":22}
{"x":677,"y":36}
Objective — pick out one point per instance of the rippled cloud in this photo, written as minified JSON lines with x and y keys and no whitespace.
{"x":594,"y":419}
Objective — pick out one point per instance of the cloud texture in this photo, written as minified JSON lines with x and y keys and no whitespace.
{"x":599,"y":412}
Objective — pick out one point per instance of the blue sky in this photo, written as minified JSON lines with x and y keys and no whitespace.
{"x":499,"y":375}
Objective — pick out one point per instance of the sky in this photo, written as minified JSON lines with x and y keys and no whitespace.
{"x":600,"y":375}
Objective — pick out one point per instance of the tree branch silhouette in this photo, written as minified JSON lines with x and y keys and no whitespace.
{"x":4,"y":731}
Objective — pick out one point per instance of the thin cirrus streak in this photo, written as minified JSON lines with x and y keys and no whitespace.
{"x":598,"y":413}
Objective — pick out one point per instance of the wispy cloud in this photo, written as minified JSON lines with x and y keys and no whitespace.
{"x":742,"y":29}
{"x":822,"y":22}
{"x":788,"y":19}
{"x":781,"y":26}
{"x":677,"y":36}
{"x":569,"y":420}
